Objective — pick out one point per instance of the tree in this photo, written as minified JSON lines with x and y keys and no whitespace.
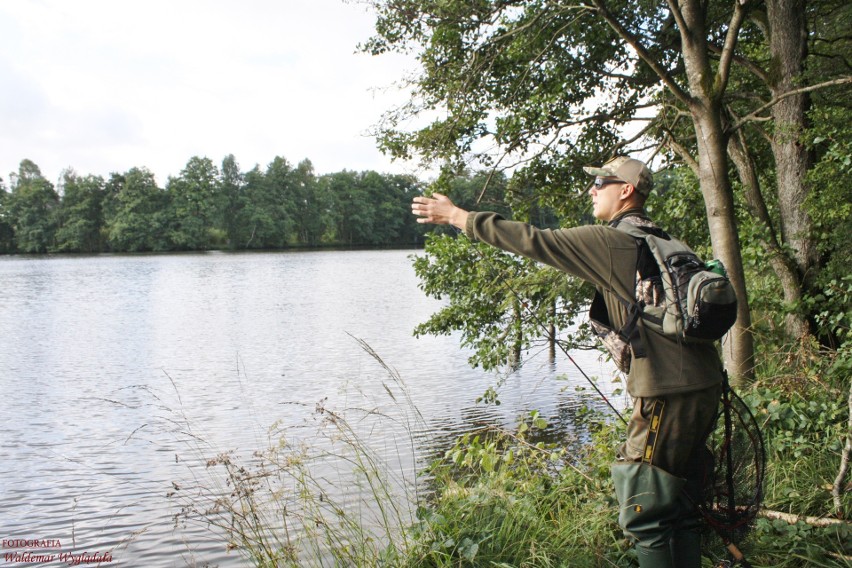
{"x":266,"y":215}
{"x":231,"y":187}
{"x":383,"y":209}
{"x":32,"y":210}
{"x":369,"y":208}
{"x":401,"y":189}
{"x":831,"y":212}
{"x":500,"y":303}
{"x":194,"y":198}
{"x":7,"y":233}
{"x":352,"y":211}
{"x":137,"y":213}
{"x":80,"y":218}
{"x":310,"y":205}
{"x":547,"y":87}
{"x":796,"y":48}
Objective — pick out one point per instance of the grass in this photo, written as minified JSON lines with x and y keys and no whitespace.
{"x":502,"y":498}
{"x":284,"y":505}
{"x":505,"y":501}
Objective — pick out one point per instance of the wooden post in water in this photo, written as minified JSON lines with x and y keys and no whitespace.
{"x":551,"y":332}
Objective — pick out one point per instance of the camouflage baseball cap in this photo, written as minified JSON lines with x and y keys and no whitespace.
{"x":632,"y":171}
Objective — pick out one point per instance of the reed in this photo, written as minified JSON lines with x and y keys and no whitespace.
{"x":284,"y":505}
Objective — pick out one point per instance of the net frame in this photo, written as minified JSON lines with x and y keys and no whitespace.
{"x":733,"y":485}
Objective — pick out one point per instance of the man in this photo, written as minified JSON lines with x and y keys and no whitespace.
{"x":675,"y":385}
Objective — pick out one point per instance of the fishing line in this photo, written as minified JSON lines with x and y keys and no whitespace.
{"x":550,"y":335}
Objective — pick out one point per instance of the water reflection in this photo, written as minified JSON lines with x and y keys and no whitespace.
{"x":124,"y":375}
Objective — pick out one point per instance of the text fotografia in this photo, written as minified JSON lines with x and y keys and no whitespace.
{"x":21,"y":550}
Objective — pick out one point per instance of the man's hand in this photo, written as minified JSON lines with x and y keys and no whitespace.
{"x":439,"y":210}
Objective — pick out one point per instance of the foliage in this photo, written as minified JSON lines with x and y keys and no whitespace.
{"x":543,"y":88}
{"x":794,"y":545}
{"x":266,"y":216}
{"x":676,"y":205}
{"x":137,"y":218}
{"x":831,"y":209}
{"x":231,"y":186}
{"x":80,"y":216}
{"x":503,"y":305}
{"x":799,"y":430}
{"x":513,"y":73}
{"x":801,"y":403}
{"x":32,"y":210}
{"x":497,"y":497}
{"x":367,"y":208}
{"x":194,"y":203}
{"x":504,"y":499}
{"x":310,"y":205}
{"x":7,"y":231}
{"x":207,"y":207}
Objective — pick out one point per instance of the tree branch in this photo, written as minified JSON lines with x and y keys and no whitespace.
{"x":746,"y":63}
{"x":638,"y":135}
{"x":793,"y":519}
{"x":676,"y":14}
{"x":838,"y":487}
{"x":727,"y":55}
{"x":683,"y":153}
{"x":741,"y":157}
{"x":753,"y":115}
{"x":643,"y":53}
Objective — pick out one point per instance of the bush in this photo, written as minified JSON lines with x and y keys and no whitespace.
{"x":502,"y":499}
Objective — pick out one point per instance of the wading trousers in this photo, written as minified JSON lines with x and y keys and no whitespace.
{"x":660,"y":474}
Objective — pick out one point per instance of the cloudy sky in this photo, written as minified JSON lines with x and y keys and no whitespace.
{"x":102,"y":86}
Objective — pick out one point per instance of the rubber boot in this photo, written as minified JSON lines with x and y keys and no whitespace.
{"x":649,"y":506}
{"x":658,"y":557}
{"x":686,"y":540}
{"x":686,"y":549}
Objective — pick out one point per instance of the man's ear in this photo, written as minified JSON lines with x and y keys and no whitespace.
{"x":627,"y":190}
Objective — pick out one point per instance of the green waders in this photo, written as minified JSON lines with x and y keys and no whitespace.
{"x":659,"y":476}
{"x":655,"y":514}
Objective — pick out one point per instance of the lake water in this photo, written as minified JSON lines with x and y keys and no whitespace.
{"x":121,"y":376}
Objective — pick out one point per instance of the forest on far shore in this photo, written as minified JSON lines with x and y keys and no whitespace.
{"x":205,"y":207}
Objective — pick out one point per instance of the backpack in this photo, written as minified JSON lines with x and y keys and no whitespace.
{"x":677,"y":295}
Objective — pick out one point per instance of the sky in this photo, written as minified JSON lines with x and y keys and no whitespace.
{"x":103,"y":86}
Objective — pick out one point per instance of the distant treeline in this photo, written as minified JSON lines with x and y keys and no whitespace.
{"x":206,"y":207}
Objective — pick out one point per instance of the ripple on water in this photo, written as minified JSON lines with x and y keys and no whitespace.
{"x":124,"y":375}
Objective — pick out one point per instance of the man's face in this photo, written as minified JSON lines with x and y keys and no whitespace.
{"x":606,"y":197}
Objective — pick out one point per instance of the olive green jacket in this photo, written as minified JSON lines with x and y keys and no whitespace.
{"x":607,"y":258}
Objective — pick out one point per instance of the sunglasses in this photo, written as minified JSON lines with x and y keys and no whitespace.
{"x":599,"y":182}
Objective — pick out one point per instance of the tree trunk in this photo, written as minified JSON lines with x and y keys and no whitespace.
{"x":787,"y":36}
{"x":705,"y":90}
{"x":551,"y":333}
{"x":738,"y":347}
{"x":781,"y":262}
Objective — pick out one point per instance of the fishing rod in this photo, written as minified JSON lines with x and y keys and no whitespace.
{"x":550,"y":335}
